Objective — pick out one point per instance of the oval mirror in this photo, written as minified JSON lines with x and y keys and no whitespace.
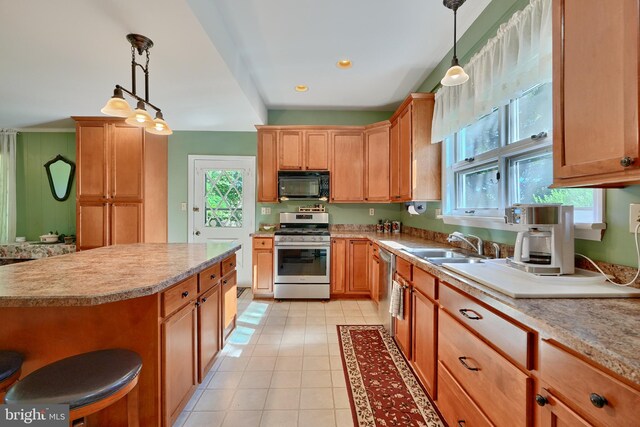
{"x":60,"y":172}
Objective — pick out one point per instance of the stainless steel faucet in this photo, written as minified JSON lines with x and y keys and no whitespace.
{"x":456,"y":235}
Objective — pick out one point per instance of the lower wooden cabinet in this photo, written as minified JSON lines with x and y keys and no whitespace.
{"x":457,"y":408}
{"x":209,"y":335}
{"x":180,"y":363}
{"x":423,"y":336}
{"x":553,"y":413}
{"x":229,"y":304}
{"x":349,"y":267}
{"x":262,"y":268}
{"x":374,"y":272}
{"x":402,"y":327}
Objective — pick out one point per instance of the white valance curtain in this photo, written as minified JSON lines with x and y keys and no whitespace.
{"x":517,"y":58}
{"x":7,"y":185}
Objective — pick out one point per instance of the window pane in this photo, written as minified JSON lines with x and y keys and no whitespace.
{"x":533,"y":112}
{"x":223,"y":198}
{"x":478,"y":189}
{"x":479,"y":137}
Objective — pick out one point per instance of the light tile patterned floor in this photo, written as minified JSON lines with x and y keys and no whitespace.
{"x":280,"y":368}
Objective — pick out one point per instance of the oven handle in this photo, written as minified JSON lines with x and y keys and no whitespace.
{"x":305,"y":244}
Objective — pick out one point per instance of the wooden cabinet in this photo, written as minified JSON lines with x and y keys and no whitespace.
{"x":180,"y":364}
{"x":316,"y":149}
{"x":347,"y":166}
{"x":267,"y":165}
{"x":374,"y":272}
{"x":122,"y":183}
{"x":424,"y":330}
{"x":402,"y":326}
{"x":415,"y":161}
{"x":349,"y":267}
{"x":228,"y":304}
{"x":262,"y":266}
{"x":456,"y":406}
{"x":290,"y":150}
{"x":209,"y":342}
{"x":595,"y":126}
{"x":553,"y":413}
{"x":377,"y":163}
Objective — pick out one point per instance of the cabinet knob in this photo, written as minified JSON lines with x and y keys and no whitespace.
{"x":204,"y":299}
{"x":626,"y":161}
{"x":231,"y":265}
{"x":462,"y":423}
{"x":463,"y":360}
{"x":541,"y":400}
{"x":197,"y":303}
{"x":224,"y":282}
{"x":213,"y":276}
{"x":366,"y":198}
{"x":597,"y":400}
{"x":185,"y":294}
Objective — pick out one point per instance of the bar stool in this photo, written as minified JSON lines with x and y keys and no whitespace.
{"x":10,"y":368}
{"x":87,"y":382}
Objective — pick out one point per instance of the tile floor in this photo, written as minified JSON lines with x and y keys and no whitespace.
{"x":281,"y":367}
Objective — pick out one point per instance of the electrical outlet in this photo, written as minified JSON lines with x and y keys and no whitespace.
{"x":634,"y":216}
{"x":183,"y":206}
{"x":265,"y":211}
{"x":372,"y":211}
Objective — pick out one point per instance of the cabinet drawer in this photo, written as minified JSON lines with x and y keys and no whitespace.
{"x":229,"y":264}
{"x":209,"y":277}
{"x":425,"y":283}
{"x":178,"y":295}
{"x":456,"y":406}
{"x":497,"y":387}
{"x":262,"y":243}
{"x":577,"y":382}
{"x":508,"y":337}
{"x":404,"y":268}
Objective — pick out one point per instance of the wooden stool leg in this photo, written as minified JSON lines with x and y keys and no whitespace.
{"x":132,"y":408}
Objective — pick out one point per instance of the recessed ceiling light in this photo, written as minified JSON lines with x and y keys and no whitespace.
{"x":302,"y":88}
{"x":344,"y":64}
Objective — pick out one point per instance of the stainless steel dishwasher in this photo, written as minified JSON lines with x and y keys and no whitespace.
{"x":387,"y":267}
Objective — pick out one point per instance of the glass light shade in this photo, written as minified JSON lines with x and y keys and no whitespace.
{"x":159,"y":127}
{"x":139,"y":117}
{"x":455,"y":76}
{"x":116,"y":107}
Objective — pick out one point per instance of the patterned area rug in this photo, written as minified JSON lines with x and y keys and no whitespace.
{"x":383,"y":391}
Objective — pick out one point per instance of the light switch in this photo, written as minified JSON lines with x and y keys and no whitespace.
{"x":265,"y":211}
{"x":183,"y":206}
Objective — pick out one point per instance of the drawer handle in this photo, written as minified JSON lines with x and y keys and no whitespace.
{"x":462,"y":423}
{"x":465,"y":311}
{"x":213,"y":276}
{"x":597,"y":400}
{"x":462,"y":360}
{"x":541,"y":400}
{"x":204,"y":299}
{"x":185,"y":294}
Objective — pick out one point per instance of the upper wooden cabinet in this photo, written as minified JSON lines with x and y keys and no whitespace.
{"x":267,"y":165}
{"x":121,"y":183}
{"x":290,"y":150}
{"x":595,"y":89}
{"x":347,"y":166}
{"x":376,"y":180}
{"x":316,"y":149}
{"x":415,"y":161}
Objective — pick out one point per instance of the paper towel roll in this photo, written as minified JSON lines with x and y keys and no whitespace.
{"x":412,"y":210}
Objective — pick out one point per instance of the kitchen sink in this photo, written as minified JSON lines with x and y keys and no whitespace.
{"x":433,"y":253}
{"x":462,"y":260}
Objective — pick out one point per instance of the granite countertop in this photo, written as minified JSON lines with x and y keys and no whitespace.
{"x":108,"y":274}
{"x":605,"y":330}
{"x":34,"y":250}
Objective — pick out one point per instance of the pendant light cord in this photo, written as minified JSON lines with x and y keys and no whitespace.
{"x":455,"y":25}
{"x":638,"y":259}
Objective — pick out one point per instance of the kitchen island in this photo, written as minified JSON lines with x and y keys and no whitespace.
{"x":148,"y":298}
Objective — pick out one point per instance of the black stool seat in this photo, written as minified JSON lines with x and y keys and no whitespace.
{"x":78,"y":380}
{"x":10,"y":363}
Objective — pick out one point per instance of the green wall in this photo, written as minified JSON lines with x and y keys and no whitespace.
{"x":327,"y":117}
{"x":339,"y":213}
{"x":37,"y":211}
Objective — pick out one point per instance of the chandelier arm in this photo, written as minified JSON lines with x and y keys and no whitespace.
{"x":133,"y":95}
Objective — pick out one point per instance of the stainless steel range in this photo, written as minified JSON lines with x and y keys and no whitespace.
{"x":302,"y":256}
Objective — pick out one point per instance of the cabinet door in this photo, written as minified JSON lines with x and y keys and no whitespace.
{"x":423,"y":336}
{"x":91,"y":148}
{"x":403,"y":327}
{"x":263,"y":272}
{"x":338,"y":266}
{"x":290,"y":150}
{"x":347,"y":167}
{"x":374,"y":278}
{"x":126,"y":223}
{"x":208,"y":330}
{"x":394,"y":161}
{"x":267,"y":166}
{"x":179,"y":362}
{"x":92,"y":225}
{"x":316,"y":150}
{"x":127,"y":162}
{"x":357,"y":267}
{"x":404,"y":154}
{"x":229,"y":304}
{"x":377,"y":165}
{"x":555,"y":414}
{"x":595,"y":125}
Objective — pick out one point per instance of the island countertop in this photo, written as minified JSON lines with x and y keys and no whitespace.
{"x":108,"y":274}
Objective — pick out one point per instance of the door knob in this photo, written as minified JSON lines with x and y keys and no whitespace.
{"x":197,"y":233}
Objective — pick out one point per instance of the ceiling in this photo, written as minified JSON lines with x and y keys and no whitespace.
{"x":218,"y":64}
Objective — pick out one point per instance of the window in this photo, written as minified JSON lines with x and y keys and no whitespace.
{"x":505,"y":157}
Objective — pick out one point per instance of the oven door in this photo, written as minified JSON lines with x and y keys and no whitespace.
{"x":302,"y":263}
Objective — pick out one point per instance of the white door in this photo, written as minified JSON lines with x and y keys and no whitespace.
{"x":222,"y":204}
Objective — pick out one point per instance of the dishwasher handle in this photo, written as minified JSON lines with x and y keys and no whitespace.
{"x":385,"y":256}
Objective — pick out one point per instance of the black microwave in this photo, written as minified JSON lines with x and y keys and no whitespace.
{"x":303,"y":186}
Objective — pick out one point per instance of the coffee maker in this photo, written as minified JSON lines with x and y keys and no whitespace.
{"x":544,"y":244}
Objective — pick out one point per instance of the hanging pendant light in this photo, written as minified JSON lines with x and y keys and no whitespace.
{"x":455,"y":75}
{"x":118,"y":107}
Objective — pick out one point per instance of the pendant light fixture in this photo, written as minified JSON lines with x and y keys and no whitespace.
{"x":117,"y":106}
{"x":455,"y":75}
